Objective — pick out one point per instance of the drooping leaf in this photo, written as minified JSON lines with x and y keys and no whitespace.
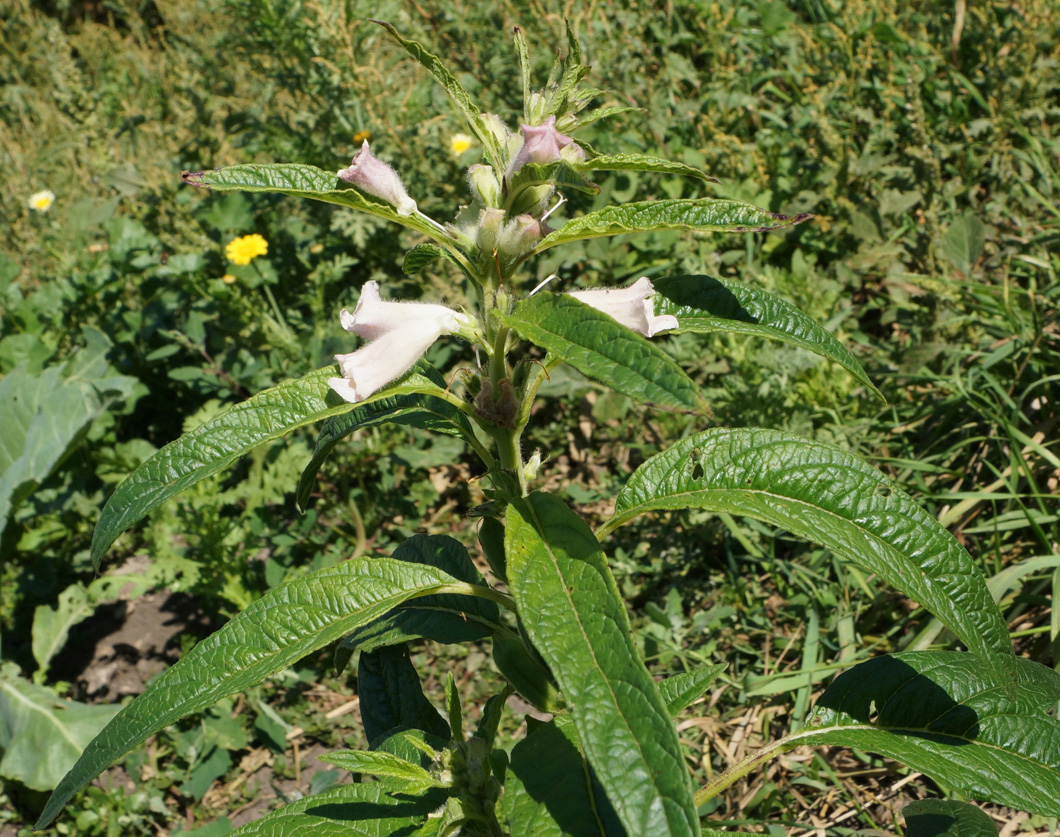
{"x":834,"y":498}
{"x":705,"y":304}
{"x":41,"y":734}
{"x":550,"y":790}
{"x":603,"y":349}
{"x":392,"y":698}
{"x":423,"y":405}
{"x":947,"y":818}
{"x":574,"y":615}
{"x":280,"y":628}
{"x":642,"y":162}
{"x":940,"y":713}
{"x":702,"y":214}
{"x":218,"y":443}
{"x":301,"y":181}
{"x":447,"y":619}
{"x":376,"y":809}
{"x":681,"y":690}
{"x":460,"y":97}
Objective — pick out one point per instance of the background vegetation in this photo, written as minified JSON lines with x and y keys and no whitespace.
{"x":924,"y":137}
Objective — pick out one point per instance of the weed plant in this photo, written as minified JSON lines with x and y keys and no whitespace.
{"x":925,"y":143}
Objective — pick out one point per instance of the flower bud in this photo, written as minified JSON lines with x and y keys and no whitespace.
{"x":484,"y":185}
{"x":519,"y":237}
{"x":372,"y":175}
{"x":490,"y":222}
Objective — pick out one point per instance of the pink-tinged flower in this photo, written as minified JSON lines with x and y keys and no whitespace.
{"x":399,"y":334}
{"x":370,"y":174}
{"x":544,"y":144}
{"x":632,"y":306}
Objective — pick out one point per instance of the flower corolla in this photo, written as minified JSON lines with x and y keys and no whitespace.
{"x":42,"y":201}
{"x":544,"y":144}
{"x":399,"y":333}
{"x":459,"y":143}
{"x":370,"y":174}
{"x":632,"y":306}
{"x":245,"y":249}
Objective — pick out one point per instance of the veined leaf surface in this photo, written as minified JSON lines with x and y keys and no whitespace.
{"x":280,"y":628}
{"x":703,"y":214}
{"x":218,"y":443}
{"x":941,"y":714}
{"x":834,"y":498}
{"x":571,"y":609}
{"x":705,"y":303}
{"x":600,"y":347}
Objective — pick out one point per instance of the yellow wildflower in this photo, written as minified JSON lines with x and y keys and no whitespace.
{"x":42,"y":201}
{"x":361,"y":136}
{"x":228,"y":279}
{"x":459,"y":143}
{"x":243,"y":250}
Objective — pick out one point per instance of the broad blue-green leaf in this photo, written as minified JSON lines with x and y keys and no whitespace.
{"x":550,"y":790}
{"x":682,"y":690}
{"x":834,"y":498}
{"x":940,"y":713}
{"x":377,"y":809}
{"x":300,"y":181}
{"x":641,"y":162}
{"x":275,"y":631}
{"x":51,"y":625}
{"x":218,"y":443}
{"x":392,"y":698}
{"x":41,"y":734}
{"x":574,"y":615}
{"x":446,"y":619}
{"x":947,"y":818}
{"x":705,"y":304}
{"x":702,"y":214}
{"x":471,"y":111}
{"x":45,"y":415}
{"x":422,"y":406}
{"x":600,"y":347}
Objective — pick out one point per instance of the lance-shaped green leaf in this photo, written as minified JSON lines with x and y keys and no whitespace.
{"x":445,"y":619}
{"x":550,"y":790}
{"x":301,"y":181}
{"x":642,"y":162}
{"x":424,"y":405}
{"x":571,"y":609}
{"x":272,"y":633}
{"x":376,"y":809}
{"x":703,"y":214}
{"x":378,"y":763}
{"x":218,"y":443}
{"x":460,"y":97}
{"x":681,"y":690}
{"x":947,"y":818}
{"x":392,"y":698}
{"x":831,"y":497}
{"x":705,"y":304}
{"x":940,"y":713}
{"x":601,"y":348}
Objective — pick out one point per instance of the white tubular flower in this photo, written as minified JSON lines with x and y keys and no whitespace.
{"x":399,"y":334}
{"x":632,"y":306}
{"x":370,"y":174}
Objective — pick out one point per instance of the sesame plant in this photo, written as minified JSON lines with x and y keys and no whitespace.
{"x":608,"y":759}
